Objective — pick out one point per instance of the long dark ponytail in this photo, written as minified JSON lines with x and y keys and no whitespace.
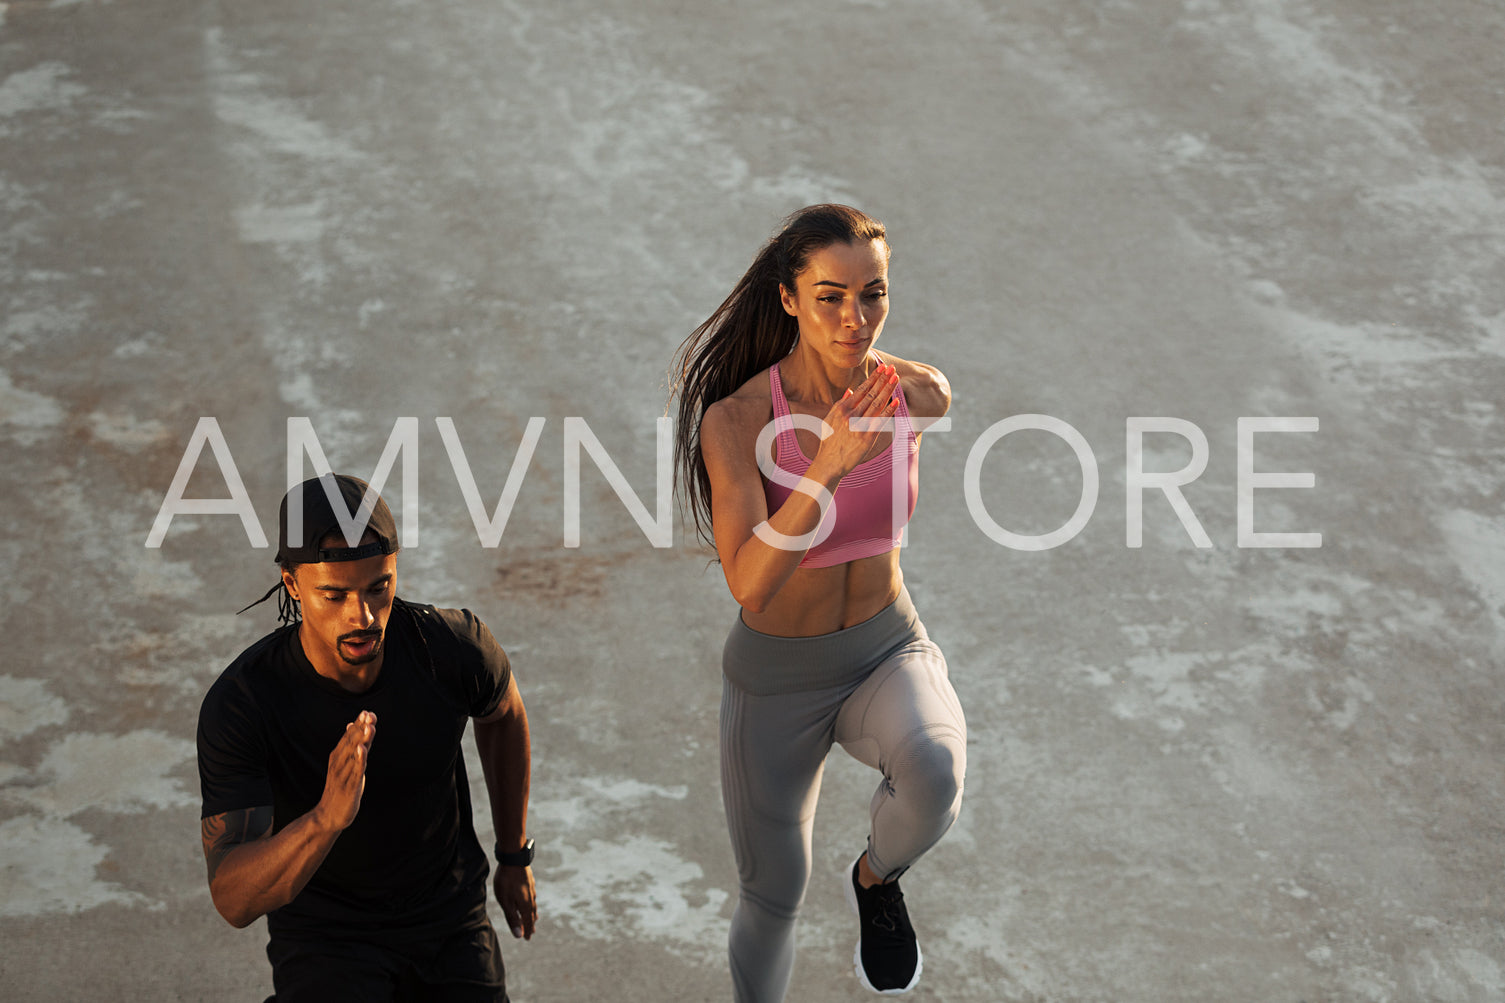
{"x":748,"y":333}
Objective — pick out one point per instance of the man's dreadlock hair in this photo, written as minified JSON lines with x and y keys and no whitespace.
{"x":288,"y":609}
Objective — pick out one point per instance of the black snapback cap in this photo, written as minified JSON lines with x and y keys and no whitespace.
{"x":333,"y":503}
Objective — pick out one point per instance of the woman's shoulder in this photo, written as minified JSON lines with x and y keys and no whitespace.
{"x":926,"y":389}
{"x":746,"y":409}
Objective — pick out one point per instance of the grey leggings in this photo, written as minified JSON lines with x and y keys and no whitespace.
{"x":880,"y":689}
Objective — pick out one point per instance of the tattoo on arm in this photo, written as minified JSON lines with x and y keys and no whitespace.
{"x":222,"y":833}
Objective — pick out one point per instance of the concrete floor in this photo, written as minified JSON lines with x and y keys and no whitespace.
{"x":1224,"y":773}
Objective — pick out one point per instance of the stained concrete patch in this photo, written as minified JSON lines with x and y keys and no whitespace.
{"x":1459,"y":976}
{"x":1492,"y":340}
{"x":183,"y":659}
{"x":126,"y":431}
{"x":158,"y":577}
{"x":112,"y":545}
{"x":135,"y":348}
{"x":1167,"y":678}
{"x":26,"y":327}
{"x":1361,"y":354}
{"x":614,"y":878}
{"x":43,"y":87}
{"x":276,"y":122}
{"x":1251,"y":770}
{"x":986,"y":957}
{"x":635,"y":886}
{"x":48,"y":866}
{"x":1268,"y":38}
{"x":1482,"y":969}
{"x":13,"y":197}
{"x":25,"y":413}
{"x":116,"y":773}
{"x":1477,"y":543}
{"x":280,"y":224}
{"x":27,"y":705}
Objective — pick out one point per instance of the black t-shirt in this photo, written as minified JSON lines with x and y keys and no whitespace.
{"x":410,"y":861}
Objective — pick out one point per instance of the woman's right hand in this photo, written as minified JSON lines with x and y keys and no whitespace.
{"x":875,"y":397}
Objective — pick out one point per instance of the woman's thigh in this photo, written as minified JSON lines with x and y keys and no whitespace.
{"x":907,"y":698}
{"x":773,"y":751}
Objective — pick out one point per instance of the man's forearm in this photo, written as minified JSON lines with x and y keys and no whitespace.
{"x":506,"y":761}
{"x":247,"y":880}
{"x":250,"y":872}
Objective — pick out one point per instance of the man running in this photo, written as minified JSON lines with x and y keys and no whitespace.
{"x":335,"y":800}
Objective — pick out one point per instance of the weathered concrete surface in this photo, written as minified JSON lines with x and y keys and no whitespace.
{"x":1227,"y":774}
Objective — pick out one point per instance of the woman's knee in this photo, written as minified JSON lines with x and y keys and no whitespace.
{"x":774,"y":892}
{"x":932,"y":772}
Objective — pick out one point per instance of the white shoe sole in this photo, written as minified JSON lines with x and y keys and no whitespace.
{"x":857,"y":953}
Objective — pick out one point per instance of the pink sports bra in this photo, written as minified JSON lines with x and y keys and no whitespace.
{"x":861,"y":517}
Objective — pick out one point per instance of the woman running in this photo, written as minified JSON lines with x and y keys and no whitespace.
{"x":806,"y":520}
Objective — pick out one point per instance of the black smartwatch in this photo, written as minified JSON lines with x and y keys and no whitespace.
{"x":516,"y":858}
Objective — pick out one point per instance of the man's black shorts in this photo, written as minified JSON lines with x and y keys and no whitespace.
{"x":463,"y":967}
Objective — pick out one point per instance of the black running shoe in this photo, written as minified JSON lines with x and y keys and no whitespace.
{"x":888,"y":956}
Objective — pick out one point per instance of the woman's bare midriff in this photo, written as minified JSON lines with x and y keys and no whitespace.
{"x":821,"y":600}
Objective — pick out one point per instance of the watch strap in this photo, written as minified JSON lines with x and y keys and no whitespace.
{"x":515,"y":858}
